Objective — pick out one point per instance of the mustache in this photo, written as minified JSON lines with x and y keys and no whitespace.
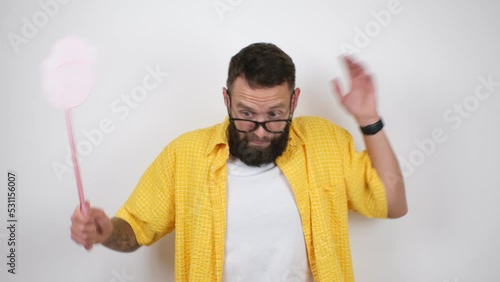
{"x":253,"y":137}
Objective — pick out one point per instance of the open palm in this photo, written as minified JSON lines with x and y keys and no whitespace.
{"x":360,"y":100}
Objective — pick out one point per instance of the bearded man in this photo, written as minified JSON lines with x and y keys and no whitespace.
{"x":261,"y":196}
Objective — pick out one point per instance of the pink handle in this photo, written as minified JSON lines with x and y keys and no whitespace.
{"x":76,"y":167}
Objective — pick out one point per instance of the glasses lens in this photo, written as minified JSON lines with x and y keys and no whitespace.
{"x":249,"y":126}
{"x":244,"y":125}
{"x":276,"y":126}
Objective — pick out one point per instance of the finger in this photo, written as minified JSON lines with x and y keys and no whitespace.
{"x":80,"y":241}
{"x":352,"y":69}
{"x":348,"y":59}
{"x":103,"y":223}
{"x":84,"y":234}
{"x":78,"y":216}
{"x":96,"y":213}
{"x":355,"y":69}
{"x":77,"y":239}
{"x":337,"y":88}
{"x":83,"y":228}
{"x":85,"y":209}
{"x":83,"y":225}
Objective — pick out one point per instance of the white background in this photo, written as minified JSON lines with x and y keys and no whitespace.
{"x":427,"y":60}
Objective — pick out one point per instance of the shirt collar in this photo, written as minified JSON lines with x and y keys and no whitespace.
{"x":219,"y":137}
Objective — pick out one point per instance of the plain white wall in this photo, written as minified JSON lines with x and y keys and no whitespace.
{"x":429,"y":58}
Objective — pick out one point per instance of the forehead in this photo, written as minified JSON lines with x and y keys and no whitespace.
{"x":243,"y":94}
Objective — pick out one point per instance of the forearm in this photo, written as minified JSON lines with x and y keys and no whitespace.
{"x":122,"y":238}
{"x":385,"y":163}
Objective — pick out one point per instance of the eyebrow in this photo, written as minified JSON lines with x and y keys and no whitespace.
{"x":243,"y":106}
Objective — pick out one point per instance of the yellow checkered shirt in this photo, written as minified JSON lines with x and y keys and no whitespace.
{"x":185,"y":188}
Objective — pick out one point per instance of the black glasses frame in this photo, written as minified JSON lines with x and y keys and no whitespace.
{"x":260,"y":123}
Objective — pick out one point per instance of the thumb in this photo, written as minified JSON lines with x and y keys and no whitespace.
{"x":337,"y":88}
{"x":104,"y":227}
{"x":85,"y":209}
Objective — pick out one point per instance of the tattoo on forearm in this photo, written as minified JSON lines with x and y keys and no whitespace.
{"x":123,"y":238}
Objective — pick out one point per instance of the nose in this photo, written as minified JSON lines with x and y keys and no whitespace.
{"x":261,"y":132}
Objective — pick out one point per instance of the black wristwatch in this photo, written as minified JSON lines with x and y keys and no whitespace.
{"x":372,"y":129}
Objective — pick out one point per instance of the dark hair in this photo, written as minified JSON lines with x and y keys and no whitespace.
{"x":262,"y":65}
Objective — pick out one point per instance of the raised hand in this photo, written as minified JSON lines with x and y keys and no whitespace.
{"x":360,"y":100}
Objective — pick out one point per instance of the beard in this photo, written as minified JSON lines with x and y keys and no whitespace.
{"x":256,"y":156}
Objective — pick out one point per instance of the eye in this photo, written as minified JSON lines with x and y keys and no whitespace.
{"x":246,"y":114}
{"x":274,"y":114}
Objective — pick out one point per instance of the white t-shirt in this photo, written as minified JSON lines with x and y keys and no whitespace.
{"x":264,"y":238}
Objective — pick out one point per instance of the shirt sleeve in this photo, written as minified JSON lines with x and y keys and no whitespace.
{"x":150,"y":209}
{"x":365,"y":191}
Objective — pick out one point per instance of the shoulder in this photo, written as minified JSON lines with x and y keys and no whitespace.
{"x":200,"y":139}
{"x":312,"y":127}
{"x":201,"y":133}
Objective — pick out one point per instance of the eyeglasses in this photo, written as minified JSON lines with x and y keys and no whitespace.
{"x":272,"y":126}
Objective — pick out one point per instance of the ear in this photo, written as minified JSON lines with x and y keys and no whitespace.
{"x":226,"y":96}
{"x":295,"y":99}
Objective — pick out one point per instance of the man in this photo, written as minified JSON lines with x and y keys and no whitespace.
{"x":261,"y":196}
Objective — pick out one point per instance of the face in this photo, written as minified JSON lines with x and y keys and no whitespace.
{"x":259,"y":104}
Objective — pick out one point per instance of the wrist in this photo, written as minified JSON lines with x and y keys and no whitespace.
{"x":107,"y":232}
{"x":365,"y":121}
{"x":373,"y":128}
